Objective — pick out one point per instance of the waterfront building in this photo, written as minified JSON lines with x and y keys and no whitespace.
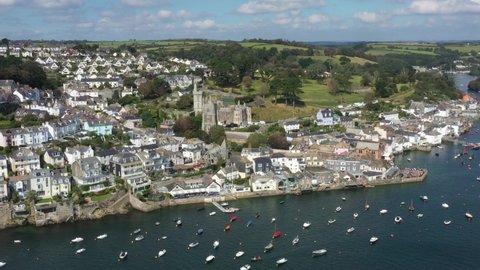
{"x":87,"y":173}
{"x":204,"y":186}
{"x":3,"y":189}
{"x":129,"y":167}
{"x":3,"y":167}
{"x":98,"y":127}
{"x":54,"y":157}
{"x":75,"y":153}
{"x":60,"y":129}
{"x":30,"y":136}
{"x":262,"y":165}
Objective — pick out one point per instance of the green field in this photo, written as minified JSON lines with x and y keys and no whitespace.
{"x":464,"y":48}
{"x":336,"y":59}
{"x":317,"y":95}
{"x":382,"y":49}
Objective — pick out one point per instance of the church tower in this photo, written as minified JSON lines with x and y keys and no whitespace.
{"x":197,"y":99}
{"x":209,"y":115}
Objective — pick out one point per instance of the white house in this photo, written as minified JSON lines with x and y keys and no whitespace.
{"x":23,"y":161}
{"x":294,"y":162}
{"x":24,"y":136}
{"x":263,"y":183}
{"x":3,"y":167}
{"x":54,"y":157}
{"x":78,"y":152}
{"x":290,"y":126}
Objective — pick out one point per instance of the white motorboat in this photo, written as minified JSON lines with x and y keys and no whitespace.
{"x":355,"y":215}
{"x":178,"y":223}
{"x":192,"y":245}
{"x":2,"y":264}
{"x":338,"y":209}
{"x":445,"y":205}
{"x":209,"y":258}
{"x":350,"y":230}
{"x":80,"y":251}
{"x":216,"y":244}
{"x":398,"y":219}
{"x":383,"y":211}
{"x":268,"y":247}
{"x":468,"y":215}
{"x":76,"y":240}
{"x":344,"y":199}
{"x":424,"y":198}
{"x":137,"y":231}
{"x":295,"y":240}
{"x":420,"y":215}
{"x":157,"y":223}
{"x":273,"y":220}
{"x":447,"y":222}
{"x":224,"y":204}
{"x":245,"y":267}
{"x":139,"y":238}
{"x":331,"y":221}
{"x":17,"y":241}
{"x":373,"y":239}
{"x":281,"y":261}
{"x":102,"y":236}
{"x":122,"y":255}
{"x":307,"y":224}
{"x":164,"y":237}
{"x":319,"y":252}
{"x":161,"y":253}
{"x":239,"y":254}
{"x":402,"y":203}
{"x":212,"y":213}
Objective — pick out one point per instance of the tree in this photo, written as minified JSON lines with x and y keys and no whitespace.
{"x":340,"y":81}
{"x":6,"y":42}
{"x":305,"y":62}
{"x":256,"y":139}
{"x":154,"y":88}
{"x":185,"y":102}
{"x":264,"y":89}
{"x":278,"y":141}
{"x":315,"y":71}
{"x":31,"y":196}
{"x":23,"y":72}
{"x":247,"y":82}
{"x":474,"y":85}
{"x":344,"y":60}
{"x":329,"y":52}
{"x":129,"y":82}
{"x":217,"y":134}
{"x":288,"y":87}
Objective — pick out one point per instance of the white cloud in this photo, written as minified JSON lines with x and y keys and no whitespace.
{"x":371,"y":17}
{"x":317,"y":18}
{"x":277,"y":6}
{"x":58,"y":4}
{"x":8,"y":2}
{"x":141,"y":3}
{"x":444,"y":6}
{"x":183,"y":14}
{"x":200,"y":24}
{"x":164,"y":14}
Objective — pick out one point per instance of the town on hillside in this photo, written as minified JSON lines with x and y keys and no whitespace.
{"x":120,"y":129}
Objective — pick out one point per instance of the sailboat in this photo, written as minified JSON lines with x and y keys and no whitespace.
{"x":410,"y":207}
{"x":367,"y":206}
{"x":276,"y":234}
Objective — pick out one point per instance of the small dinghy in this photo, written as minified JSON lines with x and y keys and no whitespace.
{"x":17,"y":241}
{"x":295,"y":240}
{"x":200,"y":231}
{"x":227,"y":228}
{"x":445,"y":205}
{"x":307,"y":224}
{"x":216,"y":243}
{"x":164,"y":237}
{"x":268,"y":247}
{"x":212,"y":213}
{"x":338,"y":209}
{"x":383,"y":211}
{"x":139,"y":238}
{"x":123,"y":255}
{"x":234,"y":218}
{"x":249,"y":223}
{"x":161,"y":253}
{"x":398,"y":219}
{"x":178,"y":223}
{"x":281,"y":261}
{"x":102,"y":236}
{"x":80,"y":251}
{"x":137,"y":231}
{"x":373,"y":240}
{"x":331,"y":221}
{"x":355,"y":215}
{"x":447,"y":222}
{"x":273,"y":220}
{"x":256,"y":259}
{"x":239,"y":254}
{"x":2,"y":264}
{"x":157,"y":223}
{"x":350,"y":230}
{"x":468,"y":215}
{"x":420,"y":215}
{"x":192,"y":245}
{"x":76,"y":240}
{"x":245,"y":267}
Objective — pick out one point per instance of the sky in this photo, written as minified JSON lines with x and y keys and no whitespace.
{"x":300,"y":20}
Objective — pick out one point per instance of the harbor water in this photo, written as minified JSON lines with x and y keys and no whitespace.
{"x":415,"y":243}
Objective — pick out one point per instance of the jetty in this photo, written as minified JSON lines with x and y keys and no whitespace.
{"x":221,"y":208}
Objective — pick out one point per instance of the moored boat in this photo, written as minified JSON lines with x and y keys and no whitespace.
{"x":331,"y":221}
{"x":192,"y":245}
{"x":201,"y":208}
{"x":227,"y":228}
{"x":230,"y":211}
{"x":281,"y":261}
{"x":383,"y":211}
{"x":424,"y":198}
{"x":277,"y":234}
{"x":123,"y":255}
{"x":420,"y":215}
{"x":350,"y":230}
{"x":216,"y":244}
{"x":295,"y":240}
{"x":200,"y":231}
{"x":338,"y":209}
{"x":468,"y":215}
{"x":157,"y":223}
{"x":17,"y":241}
{"x":256,"y":259}
{"x":319,"y":252}
{"x":245,"y":267}
{"x":102,"y":236}
{"x":410,"y":207}
{"x":209,"y":258}
{"x":268,"y":247}
{"x":445,"y":205}
{"x":76,"y":240}
{"x":367,"y":206}
{"x":137,"y":231}
{"x":249,"y":223}
{"x":447,"y":222}
{"x":2,"y":264}
{"x":398,"y":219}
{"x":212,"y":213}
{"x":161,"y":253}
{"x":80,"y":251}
{"x":355,"y":215}
{"x":234,"y":218}
{"x":273,"y":220}
{"x":178,"y":223}
{"x":164,"y":237}
{"x":239,"y":254}
{"x":139,"y":238}
{"x":307,"y":224}
{"x":373,"y":239}
{"x":344,"y":199}
{"x":224,"y":204}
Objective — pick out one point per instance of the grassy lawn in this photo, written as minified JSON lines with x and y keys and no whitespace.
{"x":464,"y":48}
{"x":274,"y":112}
{"x":318,"y":95}
{"x":100,"y":198}
{"x":44,"y":201}
{"x":336,"y":59}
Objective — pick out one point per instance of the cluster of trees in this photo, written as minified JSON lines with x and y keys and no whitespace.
{"x":24,"y":72}
{"x":435,"y":87}
{"x":154,"y":88}
{"x":274,"y":137}
{"x":474,"y":85}
{"x":191,"y":127}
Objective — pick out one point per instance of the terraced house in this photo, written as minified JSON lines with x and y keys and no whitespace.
{"x":129,"y":167}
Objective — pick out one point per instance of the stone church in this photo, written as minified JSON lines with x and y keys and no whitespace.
{"x":214,"y":112}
